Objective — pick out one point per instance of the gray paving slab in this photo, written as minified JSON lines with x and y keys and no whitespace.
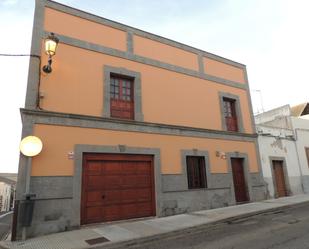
{"x":66,"y":240}
{"x":184,"y":221}
{"x":115,"y":233}
{"x":141,"y":229}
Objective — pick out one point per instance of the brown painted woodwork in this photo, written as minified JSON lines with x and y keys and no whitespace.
{"x":230,"y":114}
{"x":279,"y":178}
{"x":239,"y":180}
{"x":121,"y":97}
{"x":196,"y":172}
{"x":117,"y":187}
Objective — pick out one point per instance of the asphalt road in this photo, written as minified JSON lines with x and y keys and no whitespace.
{"x":5,"y":226}
{"x":285,"y":229}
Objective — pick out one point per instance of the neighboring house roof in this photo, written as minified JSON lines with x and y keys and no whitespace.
{"x":300,"y":110}
{"x":9,"y":178}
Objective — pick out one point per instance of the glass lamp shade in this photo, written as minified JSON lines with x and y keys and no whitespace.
{"x":51,"y":43}
{"x":31,"y":146}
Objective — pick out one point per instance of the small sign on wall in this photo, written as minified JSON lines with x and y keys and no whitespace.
{"x":221,"y":154}
{"x":71,"y":155}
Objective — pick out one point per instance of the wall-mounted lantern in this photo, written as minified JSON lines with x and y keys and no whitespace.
{"x":51,"y":43}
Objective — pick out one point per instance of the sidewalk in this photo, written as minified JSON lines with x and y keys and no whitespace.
{"x":107,"y":235}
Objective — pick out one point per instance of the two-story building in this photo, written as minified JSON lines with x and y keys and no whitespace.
{"x":132,"y":124}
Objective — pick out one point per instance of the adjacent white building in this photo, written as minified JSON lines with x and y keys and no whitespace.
{"x":7,"y":191}
{"x":5,"y":196}
{"x":284,"y":149}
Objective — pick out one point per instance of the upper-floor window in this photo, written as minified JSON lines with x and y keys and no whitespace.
{"x":230,"y":115}
{"x":121,"y":97}
{"x":122,"y":94}
{"x":196,"y":172}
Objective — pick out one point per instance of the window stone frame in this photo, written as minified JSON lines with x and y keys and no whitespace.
{"x":107,"y":71}
{"x":223,"y":95}
{"x":199,"y":153}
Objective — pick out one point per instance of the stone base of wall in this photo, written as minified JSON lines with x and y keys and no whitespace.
{"x":183,"y":202}
{"x":294,"y":186}
{"x":178,"y":199}
{"x":54,"y":209}
{"x":51,"y":216}
{"x":305,"y":180}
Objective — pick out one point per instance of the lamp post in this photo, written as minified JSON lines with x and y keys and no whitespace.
{"x":51,"y":43}
{"x":30,"y":146}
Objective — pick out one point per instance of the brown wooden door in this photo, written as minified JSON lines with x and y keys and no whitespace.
{"x":279,"y":178}
{"x":117,"y":187}
{"x":239,"y":180}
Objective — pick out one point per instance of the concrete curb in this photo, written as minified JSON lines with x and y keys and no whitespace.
{"x":193,"y":229}
{"x":3,"y":215}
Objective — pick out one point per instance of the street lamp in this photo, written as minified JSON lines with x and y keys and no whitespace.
{"x":51,"y":43}
{"x":30,"y":146}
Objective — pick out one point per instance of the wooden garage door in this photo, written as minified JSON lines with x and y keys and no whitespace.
{"x":117,"y":187}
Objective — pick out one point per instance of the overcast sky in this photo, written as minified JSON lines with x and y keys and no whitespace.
{"x":270,"y":36}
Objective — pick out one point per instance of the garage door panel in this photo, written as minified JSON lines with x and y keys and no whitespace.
{"x":94,"y":213}
{"x":111,"y":182}
{"x":143,"y":168}
{"x":94,"y":168}
{"x":137,"y":210}
{"x":112,"y":212}
{"x":135,"y":196}
{"x":94,"y":182}
{"x":144,"y":208}
{"x":94,"y":204}
{"x":112,"y":168}
{"x":144,"y":194}
{"x":94,"y":196}
{"x":112,"y":197}
{"x":129,"y":168}
{"x":117,"y":187}
{"x":143,"y":181}
{"x":135,"y":181}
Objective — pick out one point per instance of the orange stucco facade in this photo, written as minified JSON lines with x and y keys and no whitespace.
{"x":165,"y":53}
{"x":167,"y":97}
{"x":223,"y":70}
{"x":59,"y":141}
{"x":81,"y":91}
{"x":72,"y":26}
